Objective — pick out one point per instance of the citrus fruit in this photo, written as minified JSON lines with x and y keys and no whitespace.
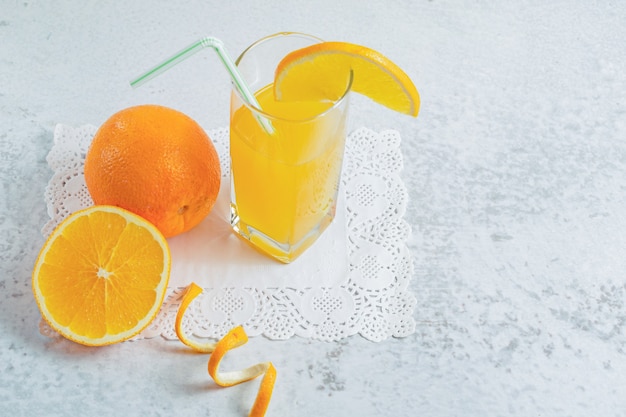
{"x":156,"y":162}
{"x":101,"y":276}
{"x":321,"y":71}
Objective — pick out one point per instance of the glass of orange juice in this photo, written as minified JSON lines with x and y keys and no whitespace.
{"x":286,"y":157}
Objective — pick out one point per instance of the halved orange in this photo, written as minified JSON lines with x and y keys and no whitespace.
{"x":321,"y":72}
{"x":101,"y":276}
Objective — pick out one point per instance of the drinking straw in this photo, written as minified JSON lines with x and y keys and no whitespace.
{"x":218,"y":46}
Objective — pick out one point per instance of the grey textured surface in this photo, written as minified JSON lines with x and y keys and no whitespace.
{"x":516,"y":170}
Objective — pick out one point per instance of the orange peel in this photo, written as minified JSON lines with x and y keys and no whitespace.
{"x":234,"y":338}
{"x":191,"y":292}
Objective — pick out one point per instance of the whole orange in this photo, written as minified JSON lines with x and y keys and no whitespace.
{"x":155,"y":162}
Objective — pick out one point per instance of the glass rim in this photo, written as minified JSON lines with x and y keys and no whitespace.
{"x":270,"y":116}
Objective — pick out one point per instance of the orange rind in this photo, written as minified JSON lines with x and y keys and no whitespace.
{"x":322,"y":72}
{"x":191,"y":292}
{"x":234,"y":338}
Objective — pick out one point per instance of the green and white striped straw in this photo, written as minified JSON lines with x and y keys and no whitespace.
{"x":218,"y":46}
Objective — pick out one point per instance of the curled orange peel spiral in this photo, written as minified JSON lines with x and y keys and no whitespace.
{"x":233,"y":339}
{"x":191,"y":292}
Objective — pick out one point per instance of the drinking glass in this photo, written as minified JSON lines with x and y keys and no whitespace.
{"x":286,"y":157}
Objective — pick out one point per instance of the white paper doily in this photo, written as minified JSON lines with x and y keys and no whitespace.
{"x":359,"y":288}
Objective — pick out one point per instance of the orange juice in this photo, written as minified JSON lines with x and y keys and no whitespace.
{"x":285,"y":181}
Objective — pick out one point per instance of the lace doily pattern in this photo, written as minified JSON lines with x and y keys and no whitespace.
{"x":372,"y":300}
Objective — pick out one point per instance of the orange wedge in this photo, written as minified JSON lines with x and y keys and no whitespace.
{"x":321,"y":72}
{"x":233,"y":339}
{"x":101,"y":276}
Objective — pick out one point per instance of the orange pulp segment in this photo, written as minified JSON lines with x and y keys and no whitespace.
{"x":321,"y":72}
{"x":101,"y":276}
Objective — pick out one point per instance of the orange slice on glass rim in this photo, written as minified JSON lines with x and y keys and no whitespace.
{"x":101,"y":276}
{"x":321,"y":72}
